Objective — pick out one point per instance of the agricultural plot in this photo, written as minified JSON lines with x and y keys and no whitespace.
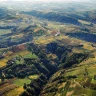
{"x":3,"y":62}
{"x":46,"y":40}
{"x":93,"y":81}
{"x":11,"y":55}
{"x":15,"y":92}
{"x":16,"y":85}
{"x":84,"y":91}
{"x":84,"y":22}
{"x":80,"y":71}
{"x":30,"y":55}
{"x":5,"y":31}
{"x":20,"y":82}
{"x":33,"y":77}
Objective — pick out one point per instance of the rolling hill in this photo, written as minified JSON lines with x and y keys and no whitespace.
{"x":48,"y":51}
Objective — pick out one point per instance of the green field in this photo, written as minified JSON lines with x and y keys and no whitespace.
{"x":33,"y":76}
{"x":10,"y":55}
{"x":27,"y":80}
{"x":15,"y":92}
{"x":83,"y":91}
{"x":20,"y":82}
{"x":19,"y":61}
{"x":4,"y":31}
{"x":30,"y":55}
{"x":93,"y":81}
{"x":80,"y":70}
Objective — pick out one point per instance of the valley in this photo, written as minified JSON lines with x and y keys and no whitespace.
{"x":48,"y":52}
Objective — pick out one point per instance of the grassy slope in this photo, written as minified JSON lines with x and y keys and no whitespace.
{"x":74,"y":88}
{"x":15,"y":92}
{"x":4,"y":31}
{"x":79,"y":71}
{"x":10,"y":56}
{"x":30,"y":55}
{"x":19,"y":83}
{"x":45,"y":40}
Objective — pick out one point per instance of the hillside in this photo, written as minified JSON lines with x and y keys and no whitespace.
{"x":47,"y":50}
{"x":53,"y":16}
{"x":70,"y":62}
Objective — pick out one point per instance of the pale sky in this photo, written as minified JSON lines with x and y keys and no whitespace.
{"x":44,"y":0}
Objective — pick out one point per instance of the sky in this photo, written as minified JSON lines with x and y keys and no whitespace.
{"x":44,"y":0}
{"x":11,"y":0}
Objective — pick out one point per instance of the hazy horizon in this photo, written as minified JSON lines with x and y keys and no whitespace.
{"x":47,"y":0}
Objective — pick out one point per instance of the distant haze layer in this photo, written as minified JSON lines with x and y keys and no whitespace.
{"x":49,"y":0}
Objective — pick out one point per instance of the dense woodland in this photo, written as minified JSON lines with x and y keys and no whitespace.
{"x":84,"y":36}
{"x":62,"y":54}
